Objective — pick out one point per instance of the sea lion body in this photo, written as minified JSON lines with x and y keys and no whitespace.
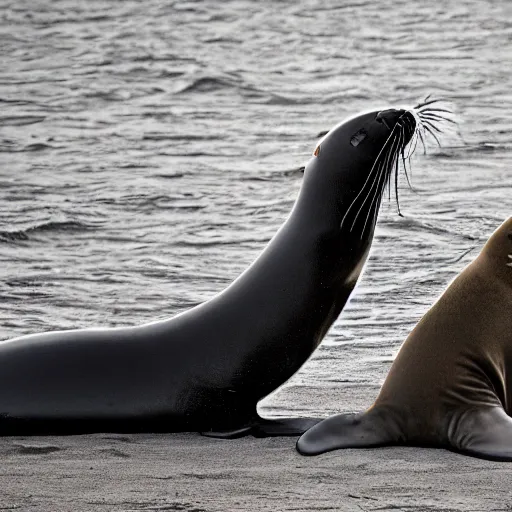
{"x":207,"y":368}
{"x":450,"y":384}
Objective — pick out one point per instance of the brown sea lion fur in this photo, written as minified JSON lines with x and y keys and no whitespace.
{"x":451,"y":383}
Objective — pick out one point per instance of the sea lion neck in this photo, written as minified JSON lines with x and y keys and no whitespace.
{"x":497,"y":252}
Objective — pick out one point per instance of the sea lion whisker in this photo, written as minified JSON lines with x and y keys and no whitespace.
{"x":436,"y":109}
{"x":388,"y":182}
{"x":376,"y":195}
{"x":368,"y":178}
{"x":376,"y":170}
{"x":405,"y":168}
{"x":439,"y":125}
{"x":456,"y":126}
{"x":429,"y":130}
{"x":381,"y":170}
{"x":428,"y":115}
{"x":414,"y":136}
{"x":439,"y":121}
{"x":390,"y":161}
{"x":429,"y":102}
{"x":408,"y":159}
{"x":396,"y":186}
{"x":391,"y":155}
{"x":420,"y":135}
{"x":421,"y":128}
{"x":432,"y":125}
{"x":384,"y":169}
{"x":411,"y":145}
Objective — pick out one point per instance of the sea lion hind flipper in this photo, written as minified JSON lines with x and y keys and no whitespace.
{"x":283,"y":427}
{"x":483,"y":432}
{"x":347,"y":431}
{"x":234,"y":433}
{"x":261,"y":427}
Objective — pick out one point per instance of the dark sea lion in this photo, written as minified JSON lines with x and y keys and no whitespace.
{"x":207,"y":368}
{"x":450,"y":385}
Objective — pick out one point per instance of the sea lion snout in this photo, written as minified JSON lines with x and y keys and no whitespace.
{"x":389,"y":117}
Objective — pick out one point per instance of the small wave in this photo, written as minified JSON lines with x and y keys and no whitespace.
{"x":207,"y":84}
{"x":20,"y":120}
{"x":170,"y":176}
{"x":163,"y":58}
{"x":278,"y":99}
{"x":411,"y":224}
{"x":221,"y":40}
{"x":17,"y":101}
{"x":179,"y":137}
{"x":487,"y":147}
{"x":9,"y":146}
{"x":45,"y":227}
{"x":170,"y":74}
{"x":37,"y":146}
{"x":346,"y":96}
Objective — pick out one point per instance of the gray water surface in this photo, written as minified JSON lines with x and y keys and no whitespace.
{"x":149,"y":150}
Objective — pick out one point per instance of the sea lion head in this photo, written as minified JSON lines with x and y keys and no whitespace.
{"x":353,"y":163}
{"x":345,"y":179}
{"x":498,"y":250}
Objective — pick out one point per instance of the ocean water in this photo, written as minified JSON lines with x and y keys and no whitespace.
{"x":149,"y":150}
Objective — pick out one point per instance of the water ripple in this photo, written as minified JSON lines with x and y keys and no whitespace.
{"x":151,"y":149}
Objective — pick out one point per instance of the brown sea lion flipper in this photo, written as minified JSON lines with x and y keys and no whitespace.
{"x":367,"y":429}
{"x":484,"y":432}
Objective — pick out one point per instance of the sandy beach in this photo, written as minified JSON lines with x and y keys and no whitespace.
{"x":107,"y":472}
{"x":192,"y":473}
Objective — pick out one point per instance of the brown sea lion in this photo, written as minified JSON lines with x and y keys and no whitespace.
{"x":451,"y":383}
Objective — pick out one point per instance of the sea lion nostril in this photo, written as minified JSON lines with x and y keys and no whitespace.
{"x":382,"y":120}
{"x":386,"y":113}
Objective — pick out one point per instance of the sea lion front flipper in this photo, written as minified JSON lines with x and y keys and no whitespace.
{"x":484,"y":432}
{"x":368,"y":429}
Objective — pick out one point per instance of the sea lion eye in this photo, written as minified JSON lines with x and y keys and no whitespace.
{"x":510,"y":235}
{"x":358,"y":137}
